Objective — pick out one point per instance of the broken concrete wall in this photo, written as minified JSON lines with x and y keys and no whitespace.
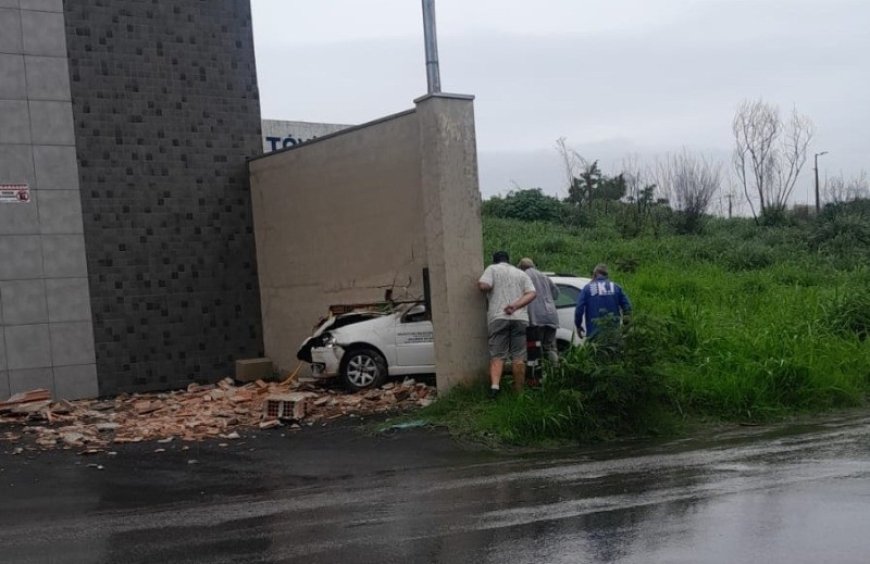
{"x":344,"y":217}
{"x":337,"y":220}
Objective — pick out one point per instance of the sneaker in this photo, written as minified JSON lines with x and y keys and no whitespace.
{"x":493,"y":394}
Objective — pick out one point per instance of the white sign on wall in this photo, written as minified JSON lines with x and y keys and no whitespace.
{"x":278,"y":134}
{"x":14,"y":194}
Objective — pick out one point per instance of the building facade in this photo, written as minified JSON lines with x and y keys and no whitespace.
{"x":127,"y":258}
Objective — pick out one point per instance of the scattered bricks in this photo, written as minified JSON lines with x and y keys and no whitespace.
{"x":23,"y":398}
{"x":62,"y":407}
{"x":242,"y":396}
{"x":285,"y":406}
{"x":197,"y":413}
{"x":144,"y":407}
{"x":72,"y":439}
{"x":194,"y":387}
{"x":46,"y":442}
{"x":299,"y":410}
{"x":28,"y":408}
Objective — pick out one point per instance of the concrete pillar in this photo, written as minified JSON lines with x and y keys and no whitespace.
{"x":454,"y":236}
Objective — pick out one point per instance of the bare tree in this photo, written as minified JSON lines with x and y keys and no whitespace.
{"x":571,"y":160}
{"x":636,"y":176}
{"x":839,"y":189}
{"x":769,"y":154}
{"x":690,"y":182}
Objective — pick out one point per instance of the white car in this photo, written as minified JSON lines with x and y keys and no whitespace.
{"x":365,"y":347}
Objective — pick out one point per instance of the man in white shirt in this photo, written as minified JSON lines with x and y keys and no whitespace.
{"x":509,"y":291}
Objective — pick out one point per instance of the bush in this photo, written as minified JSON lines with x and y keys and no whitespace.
{"x":611,"y":387}
{"x":845,"y":235}
{"x":748,"y":256}
{"x":526,"y":205}
{"x":849,"y":315}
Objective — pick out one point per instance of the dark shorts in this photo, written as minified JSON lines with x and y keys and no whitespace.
{"x":507,"y":338}
{"x":547,"y":338}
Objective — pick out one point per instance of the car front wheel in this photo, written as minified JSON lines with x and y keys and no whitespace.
{"x":363,"y":368}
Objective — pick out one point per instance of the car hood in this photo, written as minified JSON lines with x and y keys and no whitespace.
{"x":342,"y":326}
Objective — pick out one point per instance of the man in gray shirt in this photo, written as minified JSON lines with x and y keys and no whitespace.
{"x":509,"y":291}
{"x":543,"y":317}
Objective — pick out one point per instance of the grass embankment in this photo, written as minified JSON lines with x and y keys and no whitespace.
{"x":741,"y":323}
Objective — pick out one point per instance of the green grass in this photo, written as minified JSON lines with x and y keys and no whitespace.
{"x":742,"y":323}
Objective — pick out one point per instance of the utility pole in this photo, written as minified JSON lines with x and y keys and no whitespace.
{"x":433,"y":72}
{"x":816,"y":169}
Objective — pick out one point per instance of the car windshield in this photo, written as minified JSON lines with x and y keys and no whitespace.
{"x":416,"y":312}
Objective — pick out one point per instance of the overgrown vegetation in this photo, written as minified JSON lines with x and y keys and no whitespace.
{"x":742,"y":322}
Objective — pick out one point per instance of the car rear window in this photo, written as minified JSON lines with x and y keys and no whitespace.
{"x":567,"y":296}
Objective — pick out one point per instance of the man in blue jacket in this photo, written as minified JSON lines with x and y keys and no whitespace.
{"x":600,"y":298}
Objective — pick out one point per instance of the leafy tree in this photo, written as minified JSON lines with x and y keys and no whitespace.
{"x":610,"y":189}
{"x":583,"y":188}
{"x":529,"y":204}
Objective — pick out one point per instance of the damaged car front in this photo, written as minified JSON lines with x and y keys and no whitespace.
{"x":364,"y":347}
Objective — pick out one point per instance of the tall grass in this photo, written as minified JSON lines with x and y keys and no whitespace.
{"x":740,"y":323}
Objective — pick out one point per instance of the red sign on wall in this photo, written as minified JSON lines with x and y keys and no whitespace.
{"x":14,"y":194}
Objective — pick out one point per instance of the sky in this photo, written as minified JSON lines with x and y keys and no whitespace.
{"x":613,"y":77}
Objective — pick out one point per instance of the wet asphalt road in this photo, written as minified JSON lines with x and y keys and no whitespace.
{"x":785,"y":494}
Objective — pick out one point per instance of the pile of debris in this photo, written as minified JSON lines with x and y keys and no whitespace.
{"x":197,"y":413}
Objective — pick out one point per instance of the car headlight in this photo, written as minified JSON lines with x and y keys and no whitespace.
{"x":327,"y":340}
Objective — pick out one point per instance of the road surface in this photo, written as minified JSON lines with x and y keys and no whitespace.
{"x":785,"y":494}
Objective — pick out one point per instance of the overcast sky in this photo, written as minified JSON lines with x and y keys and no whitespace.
{"x":612,"y":76}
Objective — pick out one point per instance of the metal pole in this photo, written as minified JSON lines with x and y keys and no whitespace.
{"x":816,"y":170}
{"x":433,"y":73}
{"x":427,"y":293}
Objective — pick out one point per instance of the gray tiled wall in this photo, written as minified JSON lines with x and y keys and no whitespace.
{"x":46,"y":331}
{"x":166,"y":112}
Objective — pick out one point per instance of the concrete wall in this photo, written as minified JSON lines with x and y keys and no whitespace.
{"x":166,"y":113}
{"x":336,"y":221}
{"x":46,"y":334}
{"x":342,"y":218}
{"x":454,"y":235}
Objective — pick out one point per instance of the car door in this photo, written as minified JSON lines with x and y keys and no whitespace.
{"x":415,"y":343}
